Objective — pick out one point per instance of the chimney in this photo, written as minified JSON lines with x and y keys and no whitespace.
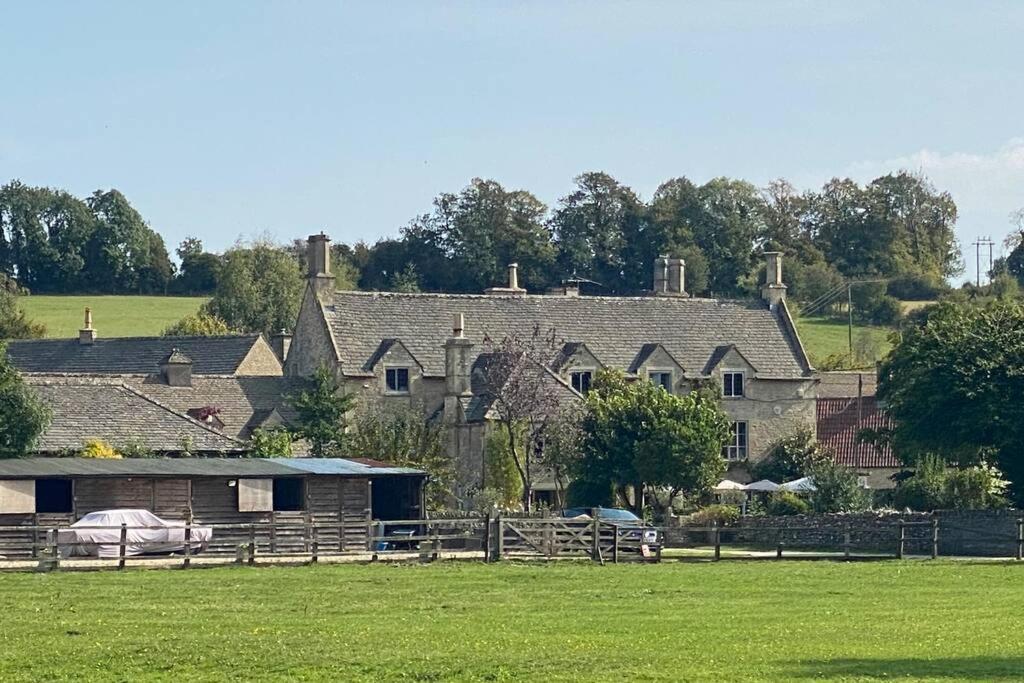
{"x":773,"y":291}
{"x":318,"y":260}
{"x":569,"y":287}
{"x":513,"y":283}
{"x":669,"y":276}
{"x":87,"y":335}
{"x":176,"y":369}
{"x":457,"y":362}
{"x":280,"y":343}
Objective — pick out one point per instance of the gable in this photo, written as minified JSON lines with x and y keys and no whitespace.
{"x":261,"y":361}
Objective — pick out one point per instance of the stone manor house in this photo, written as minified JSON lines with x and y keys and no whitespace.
{"x":428,"y":350}
{"x":208,"y":395}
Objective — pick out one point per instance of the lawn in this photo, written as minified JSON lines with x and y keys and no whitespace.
{"x":735,"y":621}
{"x":824,"y":337}
{"x":112,"y":316}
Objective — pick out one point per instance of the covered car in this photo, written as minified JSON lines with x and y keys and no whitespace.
{"x":98,"y":534}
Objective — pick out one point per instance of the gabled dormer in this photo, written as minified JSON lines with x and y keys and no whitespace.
{"x":395,"y":368}
{"x":577,"y":365}
{"x":731,"y":371}
{"x":656,"y":364}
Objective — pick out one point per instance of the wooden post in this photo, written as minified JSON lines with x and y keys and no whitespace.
{"x":341,"y":531}
{"x":487,"y":537}
{"x":1020,"y":539}
{"x":935,"y":537}
{"x":903,"y":541}
{"x":121,"y":544}
{"x":252,"y":544}
{"x":500,"y":537}
{"x":615,"y":543}
{"x":595,"y":545}
{"x":306,"y":522}
{"x":315,"y":546}
{"x":369,"y":529}
{"x":273,"y":533}
{"x":55,"y":550}
{"x":188,"y":544}
{"x":718,"y":540}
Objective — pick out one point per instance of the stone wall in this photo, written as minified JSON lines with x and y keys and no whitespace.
{"x":980,"y":533}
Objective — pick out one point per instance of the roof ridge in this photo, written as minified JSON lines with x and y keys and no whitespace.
{"x":104,"y":340}
{"x":545,"y":297}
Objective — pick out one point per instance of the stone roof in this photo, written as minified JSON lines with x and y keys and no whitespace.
{"x":614,"y":329}
{"x":244,"y":403}
{"x":484,"y":377}
{"x":840,"y":421}
{"x":120,"y":415}
{"x":131,"y":355}
{"x":32,"y":468}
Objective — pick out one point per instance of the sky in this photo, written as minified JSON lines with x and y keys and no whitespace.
{"x":229,"y":119}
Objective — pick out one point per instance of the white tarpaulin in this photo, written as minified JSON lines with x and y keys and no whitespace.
{"x":98,"y":534}
{"x":762,"y":485}
{"x":798,"y":485}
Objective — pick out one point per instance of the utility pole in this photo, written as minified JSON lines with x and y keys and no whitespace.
{"x":978,"y":244}
{"x":849,"y":312}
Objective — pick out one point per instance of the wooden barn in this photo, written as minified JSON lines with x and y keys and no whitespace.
{"x":271,"y":501}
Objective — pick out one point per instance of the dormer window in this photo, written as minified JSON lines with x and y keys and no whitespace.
{"x":581,"y":380}
{"x":732,"y":384}
{"x":663,"y":378}
{"x":397,"y":380}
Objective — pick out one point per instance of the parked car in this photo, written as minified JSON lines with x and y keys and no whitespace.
{"x":635,"y":530}
{"x":98,"y":534}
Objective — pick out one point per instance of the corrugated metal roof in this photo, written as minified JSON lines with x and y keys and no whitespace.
{"x":25,"y":468}
{"x":341,"y":466}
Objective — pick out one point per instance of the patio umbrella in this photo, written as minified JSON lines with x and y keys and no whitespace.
{"x":762,"y":485}
{"x":728,"y":485}
{"x":798,"y":485}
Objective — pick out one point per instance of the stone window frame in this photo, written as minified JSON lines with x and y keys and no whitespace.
{"x":580,"y":372}
{"x":663,"y":371}
{"x":738,"y":446}
{"x":728,"y":373}
{"x":408,"y":380}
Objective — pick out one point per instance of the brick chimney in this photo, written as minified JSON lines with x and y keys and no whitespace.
{"x":513,"y":283}
{"x":176,"y":369}
{"x":281,"y":342}
{"x":669,"y":276}
{"x":87,"y":335}
{"x":773,"y":291}
{"x":318,"y":260}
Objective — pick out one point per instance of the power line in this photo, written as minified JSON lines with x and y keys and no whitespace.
{"x":978,"y":244}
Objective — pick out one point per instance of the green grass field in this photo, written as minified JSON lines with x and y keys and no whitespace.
{"x":113,"y":316}
{"x":824,"y":337}
{"x":731,"y":621}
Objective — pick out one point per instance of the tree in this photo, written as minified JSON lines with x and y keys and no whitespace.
{"x":320,"y":415}
{"x":836,"y":489}
{"x":199,"y":324}
{"x":270,"y":443}
{"x":950,"y":385}
{"x":523,"y":394}
{"x":23,"y":416}
{"x":592,"y":227}
{"x":636,"y":434}
{"x":14,"y":324}
{"x":791,"y":457}
{"x":501,"y":476}
{"x":403,"y":437}
{"x":123,"y":254}
{"x":199,"y":269}
{"x":730,"y":220}
{"x":258,"y":289}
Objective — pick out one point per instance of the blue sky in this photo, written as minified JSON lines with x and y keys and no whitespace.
{"x":227,"y":119}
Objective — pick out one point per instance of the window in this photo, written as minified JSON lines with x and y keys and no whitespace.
{"x":733,"y":384}
{"x":397,"y":380}
{"x":289,"y":495}
{"x":581,"y":380}
{"x":662,"y":379}
{"x":53,"y":495}
{"x":736,"y":447}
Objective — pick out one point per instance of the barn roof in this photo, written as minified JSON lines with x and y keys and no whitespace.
{"x":615,"y":329}
{"x":840,"y":421}
{"x":25,"y":468}
{"x":131,"y":355}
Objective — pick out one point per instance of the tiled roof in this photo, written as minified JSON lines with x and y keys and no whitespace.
{"x":243,"y":402}
{"x":615,"y":329}
{"x":119,"y":415}
{"x":130,"y":355}
{"x":840,"y":421}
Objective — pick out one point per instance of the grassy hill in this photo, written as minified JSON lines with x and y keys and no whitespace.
{"x":824,"y":337}
{"x":112,"y":316}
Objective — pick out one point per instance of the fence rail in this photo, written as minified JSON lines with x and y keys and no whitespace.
{"x":491,"y":539}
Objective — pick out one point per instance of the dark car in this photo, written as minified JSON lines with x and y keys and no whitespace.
{"x":633,"y":529}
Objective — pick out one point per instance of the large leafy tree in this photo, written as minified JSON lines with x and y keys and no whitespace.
{"x":258,"y":289}
{"x":953,"y":385}
{"x":637,"y":435}
{"x":731,"y":219}
{"x":123,"y":253}
{"x":594,"y":227}
{"x":23,"y":416}
{"x":199,"y":268}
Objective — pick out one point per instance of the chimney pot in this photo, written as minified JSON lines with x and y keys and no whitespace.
{"x":458,"y":326}
{"x":774,"y":290}
{"x":513,"y":276}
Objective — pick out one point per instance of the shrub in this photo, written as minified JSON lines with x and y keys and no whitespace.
{"x":785,"y":503}
{"x":198,"y":324}
{"x":500,"y":474}
{"x":270,"y":443}
{"x":722,"y":515}
{"x":98,"y":448}
{"x":935,"y":486}
{"x":791,"y":457}
{"x":837,"y":489}
{"x":916,"y":287}
{"x":135,"y":449}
